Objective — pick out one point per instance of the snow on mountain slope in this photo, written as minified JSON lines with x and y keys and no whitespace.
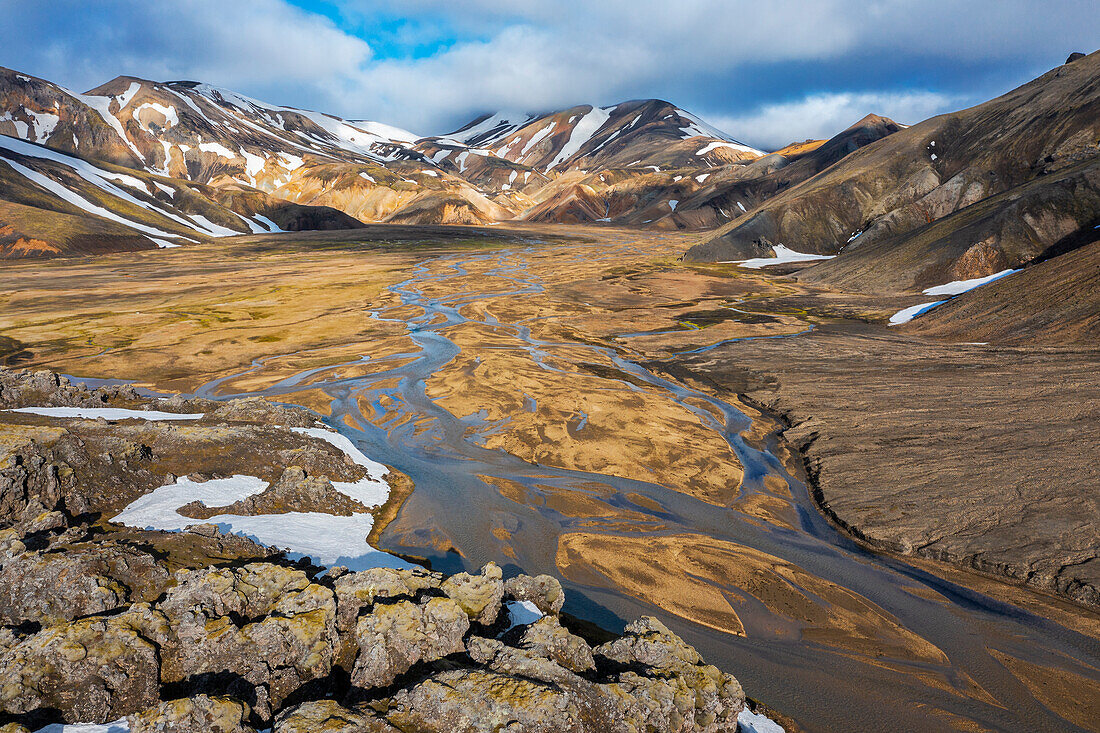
{"x":640,"y":133}
{"x":497,"y":167}
{"x":48,"y":198}
{"x":490,"y":127}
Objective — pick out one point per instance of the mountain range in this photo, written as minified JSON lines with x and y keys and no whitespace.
{"x":135,"y":164}
{"x":182,"y":160}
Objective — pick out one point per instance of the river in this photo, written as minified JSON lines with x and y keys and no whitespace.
{"x":934,"y":656}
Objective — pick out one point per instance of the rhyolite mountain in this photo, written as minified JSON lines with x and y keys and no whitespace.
{"x":961,"y":195}
{"x":190,"y":149}
{"x":958,"y":196}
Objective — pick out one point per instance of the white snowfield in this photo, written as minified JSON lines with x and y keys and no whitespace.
{"x":107,"y":413}
{"x":119,"y":726}
{"x":750,"y":722}
{"x":783,"y":255}
{"x":521,"y":613}
{"x":907,"y":314}
{"x":957,"y":287}
{"x":325,"y":538}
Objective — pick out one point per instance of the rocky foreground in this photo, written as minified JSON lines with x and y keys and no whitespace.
{"x":198,"y":630}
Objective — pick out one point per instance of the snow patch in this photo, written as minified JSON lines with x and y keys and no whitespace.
{"x":958,"y":287}
{"x":537,"y":138}
{"x":219,"y":149}
{"x":212,"y":229}
{"x":783,"y":255}
{"x":253,"y":163}
{"x":582,"y":132}
{"x":387,"y":131}
{"x":271,"y":226}
{"x":126,"y":96}
{"x":907,"y":314}
{"x":107,"y":413}
{"x":732,"y":146}
{"x":171,"y":119}
{"x":750,"y":722}
{"x":44,"y":124}
{"x":521,"y":613}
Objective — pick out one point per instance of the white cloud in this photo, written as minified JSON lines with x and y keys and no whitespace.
{"x":821,"y":116}
{"x":723,"y":56}
{"x":238,"y":43}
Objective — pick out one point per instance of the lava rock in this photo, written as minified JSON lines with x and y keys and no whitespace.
{"x":92,"y":670}
{"x":199,"y":713}
{"x":543,"y":590}
{"x":548,"y":638}
{"x":478,"y":595}
{"x":396,"y":636}
{"x":328,"y":716}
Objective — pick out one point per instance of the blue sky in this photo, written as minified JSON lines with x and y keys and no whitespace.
{"x":767,"y":72}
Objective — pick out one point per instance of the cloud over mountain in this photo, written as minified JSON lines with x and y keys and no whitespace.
{"x":429,"y":65}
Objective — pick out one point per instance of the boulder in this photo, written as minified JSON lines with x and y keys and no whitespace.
{"x":251,"y":591}
{"x":478,"y":595}
{"x":328,"y":716}
{"x":395,"y":636}
{"x":355,"y":591}
{"x":54,"y":587}
{"x":675,"y":683}
{"x":543,"y":590}
{"x":548,"y":638}
{"x":199,"y":713}
{"x":464,"y":701}
{"x":266,"y":626}
{"x":92,"y":670}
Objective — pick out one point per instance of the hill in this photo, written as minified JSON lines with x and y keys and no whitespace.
{"x":962,"y":194}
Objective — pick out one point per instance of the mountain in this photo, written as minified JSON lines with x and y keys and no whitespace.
{"x":642,"y":133}
{"x":193,"y":132}
{"x":52,"y":203}
{"x":735,"y":189}
{"x":957,"y":196}
{"x":202,"y":139}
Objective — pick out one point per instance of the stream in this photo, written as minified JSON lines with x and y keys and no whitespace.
{"x":823,"y":686}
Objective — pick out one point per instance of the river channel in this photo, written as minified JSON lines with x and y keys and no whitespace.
{"x":932,"y":658}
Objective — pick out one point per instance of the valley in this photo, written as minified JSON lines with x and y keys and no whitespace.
{"x":826,"y":416}
{"x":580,"y":402}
